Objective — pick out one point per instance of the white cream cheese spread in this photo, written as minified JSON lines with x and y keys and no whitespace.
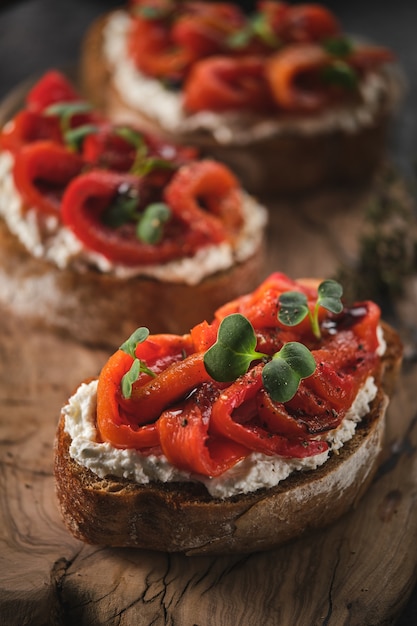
{"x":44,"y":237}
{"x":254,"y":472}
{"x":378,"y":91}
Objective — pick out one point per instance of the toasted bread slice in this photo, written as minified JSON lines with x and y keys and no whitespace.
{"x":184,"y":517}
{"x":288,"y":158}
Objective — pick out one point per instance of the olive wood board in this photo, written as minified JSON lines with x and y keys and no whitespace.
{"x":359,"y":571}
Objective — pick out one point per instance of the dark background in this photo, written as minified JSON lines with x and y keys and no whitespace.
{"x":36,"y":35}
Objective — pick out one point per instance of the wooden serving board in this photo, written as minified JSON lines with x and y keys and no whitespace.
{"x":360,"y":571}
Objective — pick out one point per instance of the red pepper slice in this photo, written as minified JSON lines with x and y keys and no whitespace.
{"x":152,"y":50}
{"x":42,"y":171}
{"x":251,"y":435}
{"x":205,"y":195}
{"x":274,"y":417}
{"x":261,"y":306}
{"x":83,"y":205}
{"x":204,"y":27}
{"x":27,"y":127}
{"x":110,"y":424}
{"x":224,"y":83}
{"x":51,"y":88}
{"x":308,"y":22}
{"x":293,"y":75}
{"x":186,"y":443}
{"x":174,"y":383}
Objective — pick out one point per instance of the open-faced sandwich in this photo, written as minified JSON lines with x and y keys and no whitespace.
{"x":237,"y":436}
{"x":282,"y":95}
{"x":104,"y":228}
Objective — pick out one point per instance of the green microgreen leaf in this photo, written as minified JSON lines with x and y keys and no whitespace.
{"x":129,"y":378}
{"x":338,"y":46}
{"x":294,"y":306}
{"x":154,"y":11}
{"x":66,"y":110}
{"x":234,"y":349}
{"x":143,"y":164}
{"x":240,"y":38}
{"x":151,"y":224}
{"x":283,"y":374}
{"x":262,"y":28}
{"x":257,"y":26}
{"x":141,"y":167}
{"x":138,"y":366}
{"x":137,"y":337}
{"x":329,"y":296}
{"x":75,"y":136}
{"x":122,"y":209}
{"x":341,"y":74}
{"x":132,"y":136}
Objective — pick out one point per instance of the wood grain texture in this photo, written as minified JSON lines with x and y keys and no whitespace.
{"x":358,"y":572}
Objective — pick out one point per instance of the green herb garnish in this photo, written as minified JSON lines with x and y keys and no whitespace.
{"x":340,"y":73}
{"x":138,"y":366}
{"x":150,"y":226}
{"x":234,"y":351}
{"x":123,"y":209}
{"x":294,"y":306}
{"x":338,"y":46}
{"x":283,"y":374}
{"x":75,"y":136}
{"x":143,"y":163}
{"x":149,"y":223}
{"x":257,"y":26}
{"x":66,"y":111}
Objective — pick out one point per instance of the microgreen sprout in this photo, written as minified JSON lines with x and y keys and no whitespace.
{"x":294,"y":306}
{"x":75,"y":136}
{"x":143,"y":163}
{"x":150,"y":226}
{"x":65,"y":111}
{"x":257,"y":26}
{"x":235,"y":349}
{"x":138,"y":366}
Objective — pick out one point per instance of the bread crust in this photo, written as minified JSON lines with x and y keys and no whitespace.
{"x":99,"y":309}
{"x":184,"y":517}
{"x":289,"y":162}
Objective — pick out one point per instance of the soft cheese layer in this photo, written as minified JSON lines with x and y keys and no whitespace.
{"x":44,"y":237}
{"x":378,"y":91}
{"x":254,"y":472}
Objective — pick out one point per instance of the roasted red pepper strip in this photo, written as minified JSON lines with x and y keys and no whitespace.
{"x":149,"y":400}
{"x":305,"y":22}
{"x":224,"y":83}
{"x":42,"y":171}
{"x":111,"y":427}
{"x":113,"y":423}
{"x":152,"y":50}
{"x":27,"y":127}
{"x":205,"y":195}
{"x":83,"y":205}
{"x":185,"y":441}
{"x":53,"y":87}
{"x":204,"y":27}
{"x":191,"y":227}
{"x":261,"y":306}
{"x":293,"y":77}
{"x":253,"y":436}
